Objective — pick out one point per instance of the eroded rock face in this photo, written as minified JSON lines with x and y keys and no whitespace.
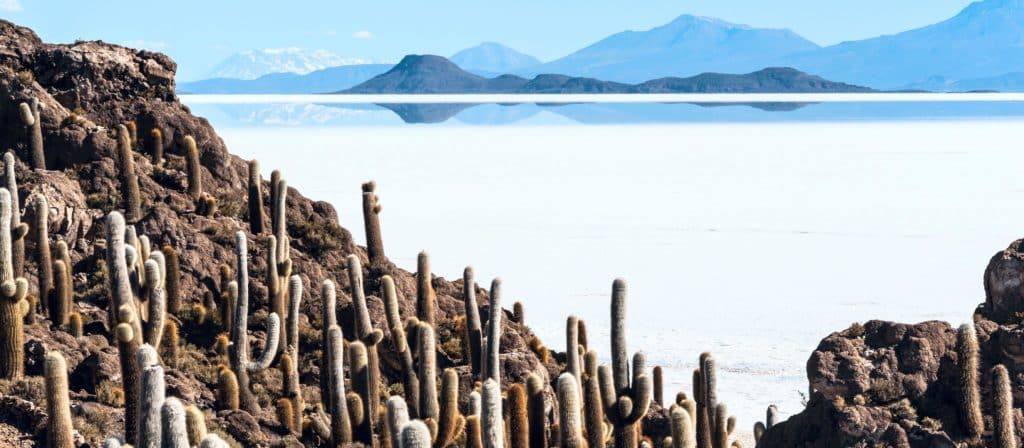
{"x":86,"y":89}
{"x":1004,"y":285}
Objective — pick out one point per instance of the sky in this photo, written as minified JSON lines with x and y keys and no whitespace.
{"x":198,"y":34}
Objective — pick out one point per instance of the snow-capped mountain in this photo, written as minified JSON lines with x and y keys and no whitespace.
{"x":252,"y":64}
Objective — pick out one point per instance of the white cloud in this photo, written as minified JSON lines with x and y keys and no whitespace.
{"x":363,"y":34}
{"x":144,"y":44}
{"x":10,"y":5}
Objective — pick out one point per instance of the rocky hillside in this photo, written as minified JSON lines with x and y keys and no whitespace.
{"x":85,"y":90}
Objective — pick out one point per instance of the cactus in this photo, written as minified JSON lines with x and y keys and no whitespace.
{"x":213,"y":441}
{"x":369,"y":336}
{"x":592,"y":407}
{"x":239,"y":350}
{"x":473,"y":432}
{"x":1003,"y":433}
{"x":128,"y":344}
{"x":156,"y":304}
{"x":130,"y":197}
{"x":492,"y":422}
{"x":34,"y":127}
{"x":415,"y":434}
{"x":682,"y":429}
{"x":625,"y":399}
{"x":759,"y":430}
{"x":410,"y":382}
{"x":275,"y":289}
{"x":195,"y":176}
{"x":426,"y":299}
{"x":492,"y":362}
{"x":341,"y":427}
{"x":397,"y":417}
{"x":255,"y":198}
{"x":371,"y":221}
{"x":227,"y":390}
{"x":771,"y":417}
{"x":519,"y":424}
{"x":59,"y":430}
{"x":709,"y":381}
{"x":450,"y":423}
{"x":427,"y":356}
{"x":329,"y":319}
{"x":172,"y":280}
{"x":61,"y":302}
{"x":156,"y":150}
{"x":195,"y":424}
{"x":285,"y":414}
{"x":583,"y":335}
{"x":171,"y":344}
{"x":518,"y":315}
{"x":359,"y":369}
{"x":227,"y":306}
{"x":174,"y":429}
{"x":720,"y":437}
{"x":133,"y":133}
{"x":292,"y":392}
{"x":474,"y":334}
{"x":570,"y":420}
{"x":572,"y":348}
{"x":13,"y":307}
{"x":659,"y":386}
{"x":17,"y":230}
{"x":535,"y":411}
{"x":281,"y":223}
{"x":75,"y":325}
{"x":41,"y":234}
{"x":151,"y":399}
{"x":970,"y":397}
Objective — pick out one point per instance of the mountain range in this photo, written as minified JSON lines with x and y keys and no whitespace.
{"x":417,"y":74}
{"x":981,"y":48}
{"x":252,"y":64}
{"x":326,"y":80}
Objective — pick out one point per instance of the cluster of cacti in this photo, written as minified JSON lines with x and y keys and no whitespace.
{"x":626,"y":395}
{"x":34,"y":127}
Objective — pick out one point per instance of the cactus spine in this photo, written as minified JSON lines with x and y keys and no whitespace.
{"x":41,"y":234}
{"x":626,"y":399}
{"x":1003,"y":433}
{"x":493,"y":424}
{"x":474,"y":334}
{"x":157,"y":148}
{"x":492,"y":364}
{"x":195,"y":176}
{"x":570,"y":420}
{"x":371,"y":221}
{"x":13,"y":307}
{"x":970,"y":397}
{"x":34,"y":127}
{"x":17,"y":230}
{"x":239,"y":349}
{"x":59,"y":431}
{"x":396,"y":329}
{"x":369,"y":336}
{"x":255,"y":198}
{"x":131,"y":198}
{"x":174,"y":429}
{"x":425,"y":296}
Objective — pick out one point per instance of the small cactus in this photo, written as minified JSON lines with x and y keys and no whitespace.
{"x":172,"y":280}
{"x":450,"y":423}
{"x":369,"y":336}
{"x":474,"y":438}
{"x":61,"y":296}
{"x":227,"y":390}
{"x":536,"y":411}
{"x":59,"y":430}
{"x":970,"y":397}
{"x":359,"y":369}
{"x":255,"y":198}
{"x":195,"y":423}
{"x":682,"y":429}
{"x":570,"y":421}
{"x":771,"y":416}
{"x":659,"y":386}
{"x":156,"y":142}
{"x":397,"y":417}
{"x":34,"y":128}
{"x":592,"y":407}
{"x":427,"y":356}
{"x":341,"y":426}
{"x":195,"y":175}
{"x":171,"y":344}
{"x":75,"y":325}
{"x":425,"y":297}
{"x":1003,"y":433}
{"x":415,"y":434}
{"x":280,"y":211}
{"x":131,"y":198}
{"x":518,"y":314}
{"x":572,"y":348}
{"x":151,"y":399}
{"x":371,"y":220}
{"x":285,"y":414}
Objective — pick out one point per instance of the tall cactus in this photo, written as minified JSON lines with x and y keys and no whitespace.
{"x":572,"y":348}
{"x":13,"y":305}
{"x":41,"y":234}
{"x":626,"y":399}
{"x":492,"y":422}
{"x":150,"y":401}
{"x":156,"y":303}
{"x":1003,"y":433}
{"x":970,"y":397}
{"x":156,"y":142}
{"x":239,"y":350}
{"x":450,"y":423}
{"x":492,"y":362}
{"x":130,"y":197}
{"x":519,"y":423}
{"x":60,"y":305}
{"x":34,"y":128}
{"x":570,"y":420}
{"x":659,"y":386}
{"x":277,"y":274}
{"x":328,"y":319}
{"x":396,"y":330}
{"x":293,"y":390}
{"x":371,"y":221}
{"x":281,"y":222}
{"x":536,"y":411}
{"x":368,"y":335}
{"x":425,"y":297}
{"x":59,"y":431}
{"x":592,"y":406}
{"x":474,"y":334}
{"x":18,"y":230}
{"x":255,"y":198}
{"x":359,"y":369}
{"x":427,"y":357}
{"x":341,"y":426}
{"x":172,"y":280}
{"x":195,"y":175}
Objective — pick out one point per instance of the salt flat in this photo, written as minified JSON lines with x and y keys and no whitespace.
{"x":753,"y":241}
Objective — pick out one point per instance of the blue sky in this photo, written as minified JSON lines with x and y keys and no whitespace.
{"x":198,"y":34}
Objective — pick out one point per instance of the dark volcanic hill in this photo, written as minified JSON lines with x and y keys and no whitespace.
{"x":437,"y":75}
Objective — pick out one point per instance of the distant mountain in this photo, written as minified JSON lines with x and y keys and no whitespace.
{"x":986,"y":39}
{"x":252,"y":64}
{"x":327,"y":80}
{"x":1010,"y":82}
{"x":687,"y":46}
{"x":435,"y":74}
{"x":491,"y":57}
